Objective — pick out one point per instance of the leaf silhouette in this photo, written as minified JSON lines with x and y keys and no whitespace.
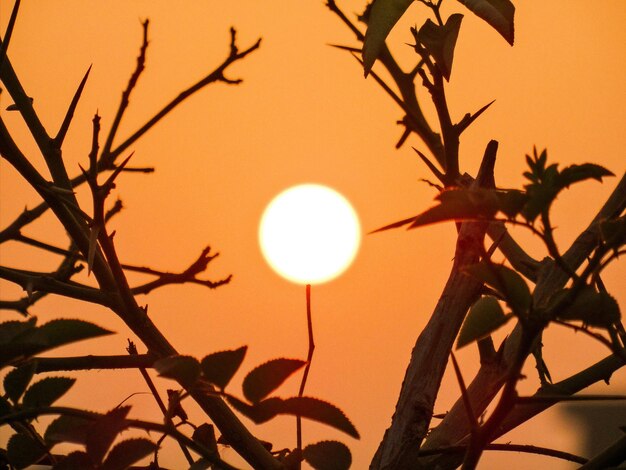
{"x":484,"y":318}
{"x":128,"y":452}
{"x":23,"y":450}
{"x":506,"y":281}
{"x":383,"y":16}
{"x":266,"y":378}
{"x":103,"y":432}
{"x":183,"y":369}
{"x":592,"y":307}
{"x":328,"y":455}
{"x":440,"y":41}
{"x":46,"y":391}
{"x":16,"y":381}
{"x":219,"y":368}
{"x":498,"y":13}
{"x":319,"y":410}
{"x":67,"y":429}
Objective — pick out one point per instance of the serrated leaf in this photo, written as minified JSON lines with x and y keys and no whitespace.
{"x":319,"y":410}
{"x":67,"y":429}
{"x":575,"y":173}
{"x":383,"y":16}
{"x":460,"y":204}
{"x":328,"y":455}
{"x":16,"y":381}
{"x":593,"y":308}
{"x":260,"y":412}
{"x":46,"y":391}
{"x":128,"y":452}
{"x":440,"y":41}
{"x":103,"y":432}
{"x":499,"y":14}
{"x":266,"y":378}
{"x":23,"y":450}
{"x":65,"y":331}
{"x":183,"y":369}
{"x":484,"y":317}
{"x":220,"y":367}
{"x":9,"y":330}
{"x":306,"y":407}
{"x":506,"y":281}
{"x":75,"y":460}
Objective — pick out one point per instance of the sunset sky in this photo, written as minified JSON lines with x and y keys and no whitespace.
{"x":305,"y":114}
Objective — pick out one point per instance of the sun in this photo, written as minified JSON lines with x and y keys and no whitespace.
{"x":309,"y":234}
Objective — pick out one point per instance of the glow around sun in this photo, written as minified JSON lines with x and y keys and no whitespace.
{"x":309,"y":234}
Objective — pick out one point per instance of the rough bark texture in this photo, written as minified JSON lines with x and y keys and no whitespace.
{"x":429,"y":357}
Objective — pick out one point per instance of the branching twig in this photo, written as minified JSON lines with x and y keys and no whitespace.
{"x":216,"y":76}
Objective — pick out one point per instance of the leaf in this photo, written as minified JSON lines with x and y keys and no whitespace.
{"x":64,"y":331}
{"x":319,"y":410}
{"x":485,"y":317}
{"x":183,"y":369}
{"x":46,"y":391}
{"x":9,"y":330}
{"x":593,"y":308}
{"x":23,"y":450}
{"x":67,"y":429}
{"x":306,"y":407}
{"x":103,"y":432}
{"x":507,"y":282}
{"x":460,"y":204}
{"x":260,"y":412}
{"x":383,"y":16}
{"x":77,"y":459}
{"x":398,"y":224}
{"x":511,"y":202}
{"x":498,"y":13}
{"x":16,"y":381}
{"x":576,"y":173}
{"x":613,"y":232}
{"x":220,"y":367}
{"x":205,"y":435}
{"x":440,"y":41}
{"x":128,"y":452}
{"x":328,"y":455}
{"x":266,"y":378}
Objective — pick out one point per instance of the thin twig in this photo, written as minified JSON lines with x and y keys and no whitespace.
{"x":309,"y":358}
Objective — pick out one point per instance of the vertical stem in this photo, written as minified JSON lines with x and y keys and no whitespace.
{"x":309,"y":358}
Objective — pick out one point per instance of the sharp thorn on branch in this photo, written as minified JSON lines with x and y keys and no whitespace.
{"x":58,"y":140}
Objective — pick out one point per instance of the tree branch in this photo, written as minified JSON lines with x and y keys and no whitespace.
{"x":490,"y":377}
{"x":54,"y":364}
{"x":430,"y":354}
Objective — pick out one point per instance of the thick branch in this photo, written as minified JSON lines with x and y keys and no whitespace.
{"x":490,"y":377}
{"x":430,"y":353}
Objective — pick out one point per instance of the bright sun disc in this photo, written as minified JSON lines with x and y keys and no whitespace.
{"x":309,"y":234}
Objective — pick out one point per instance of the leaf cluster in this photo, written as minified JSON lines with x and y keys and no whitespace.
{"x":219,"y":368}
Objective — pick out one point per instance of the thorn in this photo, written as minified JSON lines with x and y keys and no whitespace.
{"x":431,"y":166}
{"x":470,"y":118}
{"x":14,"y":107}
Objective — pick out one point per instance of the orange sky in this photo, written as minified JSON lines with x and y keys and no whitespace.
{"x":304,"y":113}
